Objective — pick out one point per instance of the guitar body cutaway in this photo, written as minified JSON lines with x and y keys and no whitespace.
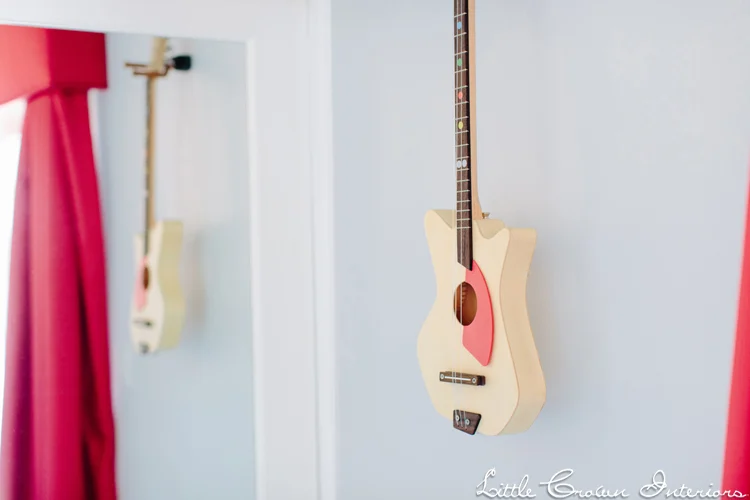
{"x":158,"y":307}
{"x":513,"y":390}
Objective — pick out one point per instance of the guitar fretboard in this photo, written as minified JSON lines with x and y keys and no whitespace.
{"x":462,"y":95}
{"x":148,"y":161}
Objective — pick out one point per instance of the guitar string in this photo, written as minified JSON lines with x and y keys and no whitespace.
{"x":457,"y":46}
{"x":463,"y":46}
{"x":457,"y":292}
{"x":457,"y":278}
{"x":146,"y":154}
{"x":456,"y":270}
{"x":465,"y":185}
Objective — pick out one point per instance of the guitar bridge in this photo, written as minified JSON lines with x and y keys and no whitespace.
{"x":462,"y":378}
{"x":466,"y":421}
{"x":143,"y":322}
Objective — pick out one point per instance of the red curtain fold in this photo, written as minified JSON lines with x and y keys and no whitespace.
{"x":58,"y":438}
{"x":736,"y":478}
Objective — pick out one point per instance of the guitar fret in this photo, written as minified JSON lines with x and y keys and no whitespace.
{"x":462,"y":118}
{"x":460,"y":71}
{"x":460,"y":34}
{"x":461,"y":87}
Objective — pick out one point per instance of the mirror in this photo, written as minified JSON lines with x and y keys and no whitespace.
{"x":183,"y":409}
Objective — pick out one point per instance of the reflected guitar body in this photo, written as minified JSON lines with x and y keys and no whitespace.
{"x":158,"y":307}
{"x":476,"y":348}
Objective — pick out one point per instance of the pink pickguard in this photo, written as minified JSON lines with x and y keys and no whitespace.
{"x":140,"y":290}
{"x":478,"y":335}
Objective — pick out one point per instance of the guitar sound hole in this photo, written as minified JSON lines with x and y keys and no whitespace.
{"x":465,"y":303}
{"x":146,"y":275}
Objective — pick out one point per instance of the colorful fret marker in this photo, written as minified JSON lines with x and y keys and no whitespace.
{"x":460,"y":125}
{"x":460,"y":95}
{"x":464,"y":163}
{"x":459,"y":62}
{"x":458,"y":25}
{"x":458,"y":164}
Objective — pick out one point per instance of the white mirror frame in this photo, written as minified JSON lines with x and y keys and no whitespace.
{"x":291,"y":205}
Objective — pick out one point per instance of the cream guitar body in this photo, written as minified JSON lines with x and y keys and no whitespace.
{"x":514,"y":389}
{"x":476,"y":349}
{"x":158,"y":307}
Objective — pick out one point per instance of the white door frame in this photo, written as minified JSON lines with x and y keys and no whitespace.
{"x":291,"y":211}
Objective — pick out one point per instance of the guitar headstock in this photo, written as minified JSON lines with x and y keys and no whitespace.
{"x":160,"y":64}
{"x":158,"y":53}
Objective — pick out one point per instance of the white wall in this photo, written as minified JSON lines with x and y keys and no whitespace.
{"x":184,"y":417}
{"x":619,"y":130}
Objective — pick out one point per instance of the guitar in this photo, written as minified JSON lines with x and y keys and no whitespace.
{"x":476,"y":348}
{"x":158,"y":308}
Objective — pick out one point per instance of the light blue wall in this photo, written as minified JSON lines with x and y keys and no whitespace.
{"x":184,"y":418}
{"x":619,"y":130}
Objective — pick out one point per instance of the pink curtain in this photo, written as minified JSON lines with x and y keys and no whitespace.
{"x":58,"y":439}
{"x":737,"y":452}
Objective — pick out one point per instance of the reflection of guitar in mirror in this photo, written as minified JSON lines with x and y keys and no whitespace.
{"x":476,"y":349}
{"x":158,"y":307}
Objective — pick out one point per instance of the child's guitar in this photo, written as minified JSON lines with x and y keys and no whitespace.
{"x":158,"y":307}
{"x":476,"y":349}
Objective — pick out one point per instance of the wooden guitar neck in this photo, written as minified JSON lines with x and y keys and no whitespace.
{"x":149,"y":160}
{"x":467,"y":199}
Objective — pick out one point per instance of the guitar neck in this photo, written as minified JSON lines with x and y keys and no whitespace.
{"x":149,"y":159}
{"x":467,"y":201}
{"x":156,"y":69}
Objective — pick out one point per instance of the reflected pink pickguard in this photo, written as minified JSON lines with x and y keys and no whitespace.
{"x":140,"y":290}
{"x":478,"y":336}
